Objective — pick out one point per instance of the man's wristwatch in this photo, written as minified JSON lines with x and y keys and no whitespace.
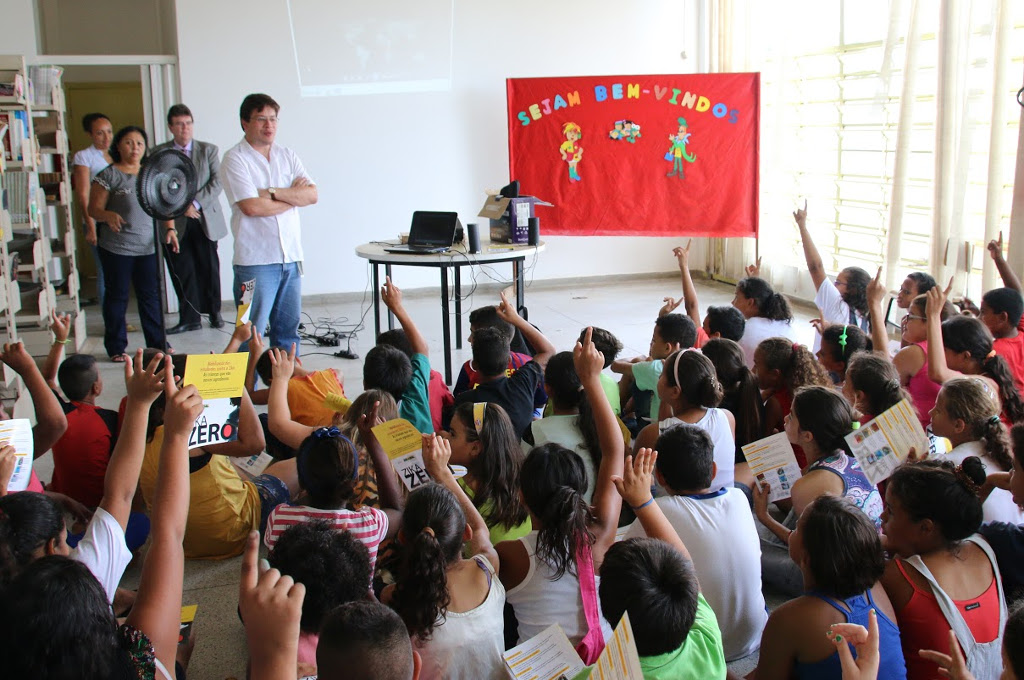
{"x":273,"y":193}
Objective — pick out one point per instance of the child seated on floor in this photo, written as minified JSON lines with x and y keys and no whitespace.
{"x":720,"y":322}
{"x":672,"y":332}
{"x":469,"y":377}
{"x":609,"y":346}
{"x":453,"y":607}
{"x":839,"y":342}
{"x":335,"y":568}
{"x":441,"y":397}
{"x":81,"y":455}
{"x":841,"y":561}
{"x":1002,"y":310}
{"x":676,"y":632}
{"x":366,"y":640}
{"x":719,"y":529}
{"x":490,"y":356}
{"x":741,"y":398}
{"x":405,"y":377}
{"x":1006,"y":539}
{"x":327,"y":466}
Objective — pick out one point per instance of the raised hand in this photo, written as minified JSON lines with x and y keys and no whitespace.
{"x":588,"y":361}
{"x":15,"y":356}
{"x":671,"y":304}
{"x":995,"y":247}
{"x":242,"y":333}
{"x":437,"y":451}
{"x":819,"y":323}
{"x":368,"y":421}
{"x":800,"y":216}
{"x":391,"y":295}
{"x":937,"y":300}
{"x":683,"y":255}
{"x":256,"y":345}
{"x":506,"y":310}
{"x":635,"y":483}
{"x":876,"y":291}
{"x":753,"y":270}
{"x":864,"y":641}
{"x":183,"y":404}
{"x":60,"y":326}
{"x":144,"y":384}
{"x":283,"y":363}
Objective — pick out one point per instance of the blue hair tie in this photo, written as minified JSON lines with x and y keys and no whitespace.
{"x":301,"y":460}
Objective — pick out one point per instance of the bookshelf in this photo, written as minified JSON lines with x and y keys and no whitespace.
{"x":39,"y":269}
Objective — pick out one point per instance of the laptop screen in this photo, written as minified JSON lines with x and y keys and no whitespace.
{"x":433,"y":229}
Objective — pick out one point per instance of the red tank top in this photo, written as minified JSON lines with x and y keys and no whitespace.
{"x":923,"y":625}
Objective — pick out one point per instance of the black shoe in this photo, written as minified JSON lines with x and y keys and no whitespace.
{"x":184,"y":327}
{"x":215,"y":320}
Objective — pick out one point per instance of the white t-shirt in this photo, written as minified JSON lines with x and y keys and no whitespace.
{"x":999,"y":506}
{"x":91,"y":158}
{"x":716,"y":423}
{"x":718,"y":530}
{"x":834,"y":309}
{"x":262,"y":240}
{"x":759,"y":328}
{"x":103,"y":550}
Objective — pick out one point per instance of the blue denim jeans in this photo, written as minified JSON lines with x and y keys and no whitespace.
{"x":277,"y":297}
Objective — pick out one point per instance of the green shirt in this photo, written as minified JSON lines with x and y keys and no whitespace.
{"x":611,"y":390}
{"x":415,"y":406}
{"x":645,"y":377}
{"x":498,"y":531}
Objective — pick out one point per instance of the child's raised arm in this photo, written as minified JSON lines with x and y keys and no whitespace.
{"x":60,"y":325}
{"x":938,"y":370}
{"x":271,"y":606}
{"x":240,"y":335}
{"x":391,"y":295}
{"x":543,"y":349}
{"x":689,"y":290}
{"x":157,"y":609}
{"x":143,"y":385}
{"x":436,"y":454}
{"x":255,"y":352}
{"x":51,"y":422}
{"x":879,"y":336}
{"x":815,"y":266}
{"x":607,"y":504}
{"x":250,"y":440}
{"x":279,"y":414}
{"x":1006,"y":273}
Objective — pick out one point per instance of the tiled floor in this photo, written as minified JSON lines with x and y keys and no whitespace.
{"x":625,"y":307}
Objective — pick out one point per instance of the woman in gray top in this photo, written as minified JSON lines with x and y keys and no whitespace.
{"x":126,"y":244}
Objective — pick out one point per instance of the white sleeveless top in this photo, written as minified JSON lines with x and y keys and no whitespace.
{"x":564,"y":431}
{"x":984,"y":659}
{"x":538,"y":601}
{"x":469,"y":644}
{"x":716,"y":424}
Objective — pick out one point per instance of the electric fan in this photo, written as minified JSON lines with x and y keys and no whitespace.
{"x":166,"y":187}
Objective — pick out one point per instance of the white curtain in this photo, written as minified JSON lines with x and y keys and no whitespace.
{"x":901,"y":133}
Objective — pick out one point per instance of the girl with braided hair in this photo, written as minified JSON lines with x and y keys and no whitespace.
{"x":967,"y":414}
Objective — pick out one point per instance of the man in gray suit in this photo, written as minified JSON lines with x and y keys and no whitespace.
{"x":195,"y":268}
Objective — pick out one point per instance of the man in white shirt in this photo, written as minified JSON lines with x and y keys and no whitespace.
{"x":266,"y":184}
{"x":195,"y":268}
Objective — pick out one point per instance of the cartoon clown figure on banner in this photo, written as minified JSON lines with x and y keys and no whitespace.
{"x":570,"y":149}
{"x":678,"y":153}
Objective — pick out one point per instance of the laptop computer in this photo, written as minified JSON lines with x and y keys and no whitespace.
{"x":431,"y":232}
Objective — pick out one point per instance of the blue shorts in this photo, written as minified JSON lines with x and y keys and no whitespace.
{"x":273,"y":492}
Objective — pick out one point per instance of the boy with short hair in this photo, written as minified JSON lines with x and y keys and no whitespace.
{"x":676,"y":632}
{"x":81,"y":455}
{"x":441,"y":397}
{"x":313,"y":396}
{"x":720,"y":322}
{"x":406,"y":378}
{"x":609,"y":346}
{"x":518,"y":355}
{"x":367,"y":640}
{"x":672,"y":332}
{"x":720,"y":531}
{"x":1002,"y":311}
{"x":513,"y":393}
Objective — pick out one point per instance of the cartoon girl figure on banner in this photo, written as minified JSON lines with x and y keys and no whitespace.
{"x":677,"y":153}
{"x":571,"y":151}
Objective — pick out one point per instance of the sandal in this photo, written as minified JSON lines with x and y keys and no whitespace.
{"x":119,"y":358}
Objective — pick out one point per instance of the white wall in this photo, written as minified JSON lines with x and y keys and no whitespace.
{"x":377,"y":158}
{"x":19,"y":27}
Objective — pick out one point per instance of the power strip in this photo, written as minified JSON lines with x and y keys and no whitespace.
{"x":346,"y":354}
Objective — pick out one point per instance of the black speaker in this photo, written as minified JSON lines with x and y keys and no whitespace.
{"x":473,"y":234}
{"x":534,"y":233}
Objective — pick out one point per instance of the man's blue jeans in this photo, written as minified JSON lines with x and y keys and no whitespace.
{"x":277,"y":297}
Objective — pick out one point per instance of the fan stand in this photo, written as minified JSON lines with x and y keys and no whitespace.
{"x":161,"y":285}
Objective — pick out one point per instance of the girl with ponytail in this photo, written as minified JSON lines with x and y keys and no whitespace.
{"x":944,"y":576}
{"x":781,"y":368}
{"x":872,"y":385}
{"x":452,"y":607}
{"x":740,"y":397}
{"x":839,"y":343}
{"x":819,"y":422}
{"x":549,"y":574}
{"x":690,"y":386}
{"x":967,"y":414}
{"x":483,"y":440}
{"x":767,"y":315}
{"x":962,"y":345}
{"x":571,"y":422}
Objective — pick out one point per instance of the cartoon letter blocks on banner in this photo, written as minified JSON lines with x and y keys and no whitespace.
{"x":692,"y":172}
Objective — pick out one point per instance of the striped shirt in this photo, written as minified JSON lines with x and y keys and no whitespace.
{"x":368,"y":525}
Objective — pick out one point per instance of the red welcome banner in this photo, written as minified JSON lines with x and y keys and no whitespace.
{"x":668,"y":155}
